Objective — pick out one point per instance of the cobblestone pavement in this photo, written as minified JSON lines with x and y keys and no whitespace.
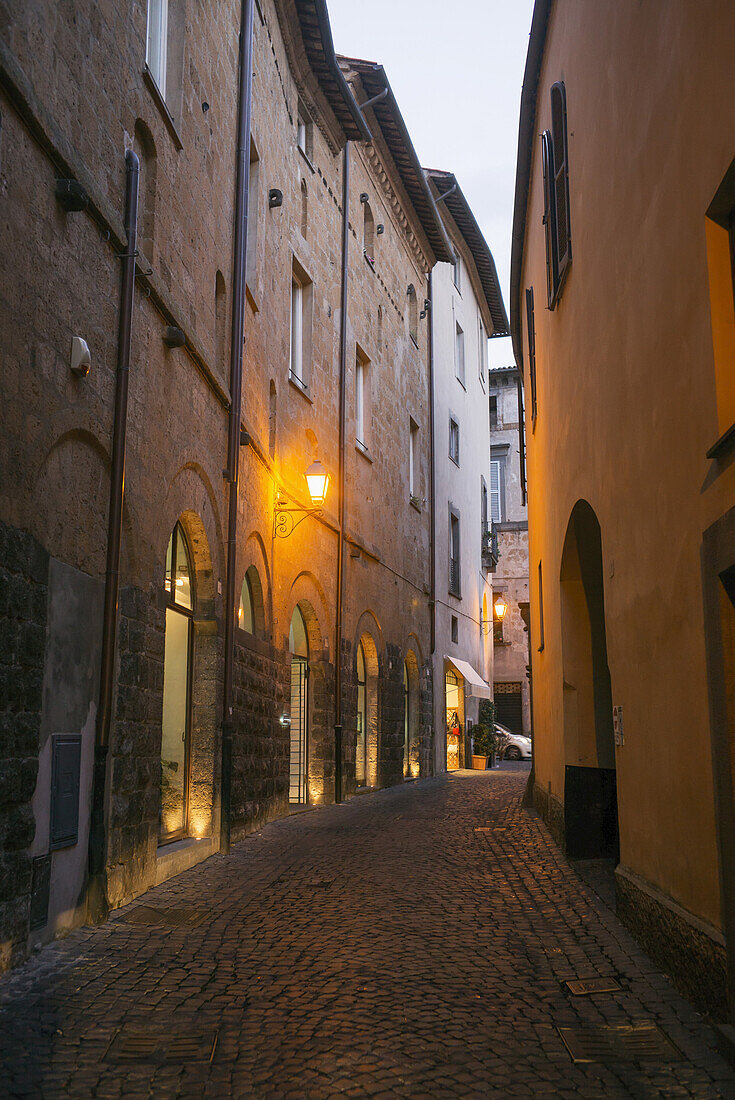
{"x":412,"y":942}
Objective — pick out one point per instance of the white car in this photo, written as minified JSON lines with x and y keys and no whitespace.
{"x":513,"y":746}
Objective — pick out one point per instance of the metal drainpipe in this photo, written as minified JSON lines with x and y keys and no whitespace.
{"x":341,"y":477}
{"x":97,"y":907}
{"x":432,"y":498}
{"x":233,"y":441}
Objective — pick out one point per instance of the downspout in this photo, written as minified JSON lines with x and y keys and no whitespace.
{"x":341,"y":477}
{"x":97,"y":907}
{"x":233,"y":442}
{"x":432,"y":502}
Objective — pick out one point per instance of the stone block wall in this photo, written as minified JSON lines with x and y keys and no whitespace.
{"x":23,"y":611}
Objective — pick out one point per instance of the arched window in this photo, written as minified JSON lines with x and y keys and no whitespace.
{"x":368,"y":233}
{"x":413,"y":314}
{"x":272,"y":409}
{"x":380,"y":329}
{"x":298,"y":644}
{"x":220,"y":319}
{"x":245,"y":614}
{"x":176,"y":724}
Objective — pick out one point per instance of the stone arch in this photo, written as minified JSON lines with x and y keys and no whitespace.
{"x":70,"y":502}
{"x":257,"y":574}
{"x":191,"y":489}
{"x":307,"y":591}
{"x":590,"y":798}
{"x":368,"y":623}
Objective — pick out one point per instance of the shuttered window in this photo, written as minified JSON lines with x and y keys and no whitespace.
{"x":495,"y":491}
{"x":531,"y":336}
{"x":555,"y":166}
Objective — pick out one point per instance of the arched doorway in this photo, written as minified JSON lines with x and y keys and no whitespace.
{"x":590,"y":793}
{"x":177,"y":664}
{"x":411,"y":760}
{"x":298,"y":644}
{"x":454,"y":703}
{"x":368,"y":733}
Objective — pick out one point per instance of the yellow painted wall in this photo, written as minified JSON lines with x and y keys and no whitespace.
{"x":627,"y":403}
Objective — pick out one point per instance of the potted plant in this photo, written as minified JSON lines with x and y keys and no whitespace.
{"x":484,"y":741}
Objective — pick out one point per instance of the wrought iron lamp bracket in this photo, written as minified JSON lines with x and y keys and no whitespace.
{"x":283,"y":518}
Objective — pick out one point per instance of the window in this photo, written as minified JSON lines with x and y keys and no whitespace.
{"x":483,"y":503}
{"x":554,"y":159}
{"x":301,"y":298}
{"x":220,"y":321}
{"x":368,"y":233}
{"x":304,"y":132}
{"x":363,"y":410}
{"x":454,"y":570}
{"x":540,"y":608}
{"x":496,"y":489}
{"x":413,"y":442}
{"x":493,"y":411}
{"x":531,"y":337}
{"x":482,"y":352}
{"x":413,"y":314}
{"x":157,"y":42}
{"x":459,"y":352}
{"x":455,"y":629}
{"x":304,"y":208}
{"x":245,"y":617}
{"x":457,"y":271}
{"x":146,"y":149}
{"x":454,"y":440}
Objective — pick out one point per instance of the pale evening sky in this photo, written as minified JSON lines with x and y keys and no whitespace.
{"x":456,"y":70}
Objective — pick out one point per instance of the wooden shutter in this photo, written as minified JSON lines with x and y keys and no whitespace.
{"x":552,"y":266}
{"x":531,"y":334}
{"x":495,"y":505}
{"x":561,"y":176}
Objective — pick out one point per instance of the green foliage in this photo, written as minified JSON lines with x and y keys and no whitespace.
{"x":484,"y":740}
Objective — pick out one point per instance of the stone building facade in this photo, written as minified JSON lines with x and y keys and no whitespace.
{"x":508,"y":512}
{"x":623,"y":320}
{"x":68,"y":113}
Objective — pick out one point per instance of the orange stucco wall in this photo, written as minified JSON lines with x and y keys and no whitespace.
{"x":627,"y":403}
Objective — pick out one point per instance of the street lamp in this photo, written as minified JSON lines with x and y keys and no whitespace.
{"x":317,"y":483}
{"x":500,"y":607}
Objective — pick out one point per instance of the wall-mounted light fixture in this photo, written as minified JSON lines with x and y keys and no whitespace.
{"x":317,"y":483}
{"x":71,"y":196}
{"x":80,"y":360}
{"x":275,"y":197}
{"x":500,"y":606}
{"x":174,"y":337}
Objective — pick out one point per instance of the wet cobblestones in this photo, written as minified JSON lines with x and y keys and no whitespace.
{"x":382,"y":948}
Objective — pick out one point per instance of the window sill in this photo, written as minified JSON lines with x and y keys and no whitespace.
{"x":454,"y":595}
{"x":251,"y":299}
{"x":369,"y":260}
{"x":160,"y":102}
{"x":414,"y":341}
{"x":300,"y":386}
{"x":306,"y":157}
{"x":454,"y":460}
{"x":364,"y":451}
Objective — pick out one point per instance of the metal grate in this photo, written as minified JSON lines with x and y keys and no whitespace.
{"x":642,"y":1043}
{"x":150,"y":917}
{"x":579,"y":987}
{"x":130,"y":1045}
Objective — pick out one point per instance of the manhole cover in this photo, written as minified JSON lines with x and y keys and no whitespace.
{"x":592,"y":985}
{"x":618,"y":1044}
{"x":150,"y":917}
{"x":130,"y":1045}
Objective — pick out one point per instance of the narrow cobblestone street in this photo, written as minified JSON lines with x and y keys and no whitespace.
{"x":412,"y":942}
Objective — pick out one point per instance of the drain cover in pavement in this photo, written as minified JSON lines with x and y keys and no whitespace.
{"x":592,"y":985}
{"x":645,"y":1043}
{"x":149,"y":916}
{"x":130,"y":1045}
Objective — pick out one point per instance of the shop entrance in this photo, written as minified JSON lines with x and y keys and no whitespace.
{"x":454,"y":703}
{"x":177,"y":659}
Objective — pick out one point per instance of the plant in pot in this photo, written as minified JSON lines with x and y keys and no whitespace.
{"x":484,"y":740}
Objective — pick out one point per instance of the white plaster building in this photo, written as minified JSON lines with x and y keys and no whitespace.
{"x":467,"y":309}
{"x":510,"y":516}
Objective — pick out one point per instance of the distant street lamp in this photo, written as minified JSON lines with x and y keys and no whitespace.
{"x":499,"y":607}
{"x":317,"y":483}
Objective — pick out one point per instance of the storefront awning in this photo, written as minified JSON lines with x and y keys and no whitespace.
{"x":475,"y":686}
